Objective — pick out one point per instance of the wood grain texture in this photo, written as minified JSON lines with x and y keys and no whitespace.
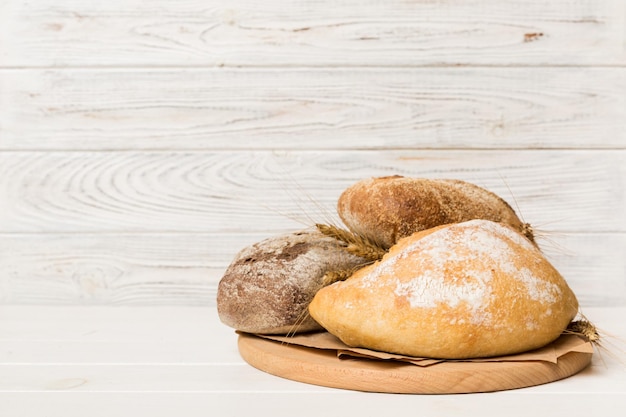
{"x":185,"y":269}
{"x":175,"y":269}
{"x":312,"y":33}
{"x":246,"y":191}
{"x":143,"y":143}
{"x":161,"y":227}
{"x":326,"y":109}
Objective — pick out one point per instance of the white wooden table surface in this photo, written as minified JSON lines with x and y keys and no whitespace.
{"x":181,"y":361}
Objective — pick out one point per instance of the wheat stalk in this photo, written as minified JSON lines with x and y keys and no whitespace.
{"x":584,"y":328}
{"x":354,"y":243}
{"x":333,"y":276}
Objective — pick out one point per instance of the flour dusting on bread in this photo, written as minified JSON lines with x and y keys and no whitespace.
{"x":430,"y":289}
{"x":489,"y":248}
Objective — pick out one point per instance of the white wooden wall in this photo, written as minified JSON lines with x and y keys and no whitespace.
{"x":143,"y":143}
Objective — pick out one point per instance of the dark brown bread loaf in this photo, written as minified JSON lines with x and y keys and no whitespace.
{"x":386,"y":209}
{"x":269,"y":285}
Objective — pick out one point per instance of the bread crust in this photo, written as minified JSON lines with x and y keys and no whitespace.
{"x":387,"y":209}
{"x":268,"y":285}
{"x":466,"y":290}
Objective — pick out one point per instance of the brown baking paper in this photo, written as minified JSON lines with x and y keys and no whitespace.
{"x":323,"y":340}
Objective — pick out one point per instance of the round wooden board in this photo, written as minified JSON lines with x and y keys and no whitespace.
{"x":322,"y":367}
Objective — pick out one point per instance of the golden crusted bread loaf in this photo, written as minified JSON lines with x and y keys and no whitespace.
{"x":466,"y":290}
{"x":386,"y":209}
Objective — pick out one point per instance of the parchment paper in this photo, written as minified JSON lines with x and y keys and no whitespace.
{"x":323,"y":340}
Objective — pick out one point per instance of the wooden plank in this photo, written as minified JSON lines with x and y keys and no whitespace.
{"x":184,"y":269}
{"x":202,"y":109}
{"x":138,"y":269}
{"x":95,"y":383}
{"x":311,"y":33}
{"x":256,"y":191}
{"x":311,"y":402}
{"x":115,"y":335}
{"x":98,"y":369}
{"x":137,"y":378}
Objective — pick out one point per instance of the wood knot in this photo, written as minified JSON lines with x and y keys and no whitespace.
{"x":531,"y":37}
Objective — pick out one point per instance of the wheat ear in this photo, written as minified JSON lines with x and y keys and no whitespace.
{"x":585,"y":329}
{"x":354,"y":243}
{"x":333,"y":276}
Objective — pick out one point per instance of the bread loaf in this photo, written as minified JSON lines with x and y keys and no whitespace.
{"x":387,"y":209}
{"x":268,"y":286}
{"x":467,"y":290}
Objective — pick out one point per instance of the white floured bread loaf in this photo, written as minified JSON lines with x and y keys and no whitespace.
{"x":467,"y":290}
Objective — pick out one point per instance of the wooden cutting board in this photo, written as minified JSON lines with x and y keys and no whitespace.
{"x":322,"y":367}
